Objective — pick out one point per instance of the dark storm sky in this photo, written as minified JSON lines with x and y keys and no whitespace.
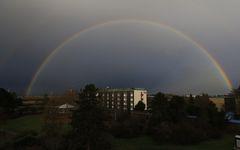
{"x":124,"y":54}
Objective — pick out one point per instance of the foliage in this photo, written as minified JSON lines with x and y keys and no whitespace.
{"x":167,"y":110}
{"x":170,"y":122}
{"x":159,"y":108}
{"x":88,"y":129}
{"x":27,"y":139}
{"x":8,"y":102}
{"x":52,"y":124}
{"x":176,"y":111}
{"x":186,"y":133}
{"x":140,"y":106}
{"x":127,"y":128}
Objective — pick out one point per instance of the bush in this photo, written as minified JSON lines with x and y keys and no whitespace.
{"x":186,"y":134}
{"x":52,"y":142}
{"x":180,"y":133}
{"x":27,"y":139}
{"x":162,"y":132}
{"x":71,"y":143}
{"x":126,"y":129}
{"x":214,"y":133}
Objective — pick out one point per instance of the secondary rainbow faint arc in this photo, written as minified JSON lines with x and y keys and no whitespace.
{"x":162,"y":25}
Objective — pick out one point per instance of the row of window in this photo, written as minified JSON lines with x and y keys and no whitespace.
{"x":118,"y":103}
{"x":118,"y":94}
{"x":118,"y":99}
{"x":119,"y":107}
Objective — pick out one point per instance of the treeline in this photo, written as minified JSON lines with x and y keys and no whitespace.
{"x":184,"y":120}
{"x":9,"y":104}
{"x":171,"y":119}
{"x":174,"y":119}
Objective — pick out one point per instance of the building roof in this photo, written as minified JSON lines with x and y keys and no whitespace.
{"x":65,"y":106}
{"x":119,"y":89}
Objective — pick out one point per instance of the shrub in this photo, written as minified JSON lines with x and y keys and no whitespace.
{"x":161,"y":133}
{"x":126,"y":129}
{"x":185,"y":134}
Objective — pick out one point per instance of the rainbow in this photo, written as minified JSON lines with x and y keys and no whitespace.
{"x":218,"y":67}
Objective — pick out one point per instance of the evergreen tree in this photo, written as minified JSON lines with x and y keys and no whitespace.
{"x":177,"y":111}
{"x":88,"y":130}
{"x":160,"y":107}
{"x":140,"y":106}
{"x":8,"y":102}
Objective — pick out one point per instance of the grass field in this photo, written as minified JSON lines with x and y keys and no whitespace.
{"x":146,"y":143}
{"x":26,"y":123}
{"x":35,"y":122}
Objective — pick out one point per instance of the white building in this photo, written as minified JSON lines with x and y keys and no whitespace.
{"x":122,"y":99}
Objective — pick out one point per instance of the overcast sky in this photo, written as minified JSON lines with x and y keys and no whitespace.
{"x":123,"y":54}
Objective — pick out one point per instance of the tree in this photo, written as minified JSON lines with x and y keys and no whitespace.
{"x":52,"y":126}
{"x":8,"y":102}
{"x":160,"y":107}
{"x":169,"y":121}
{"x":140,"y":106}
{"x":236,"y":92}
{"x":177,"y":111}
{"x":168,"y":109}
{"x":208,"y":117}
{"x":88,"y":130}
{"x":158,"y":125}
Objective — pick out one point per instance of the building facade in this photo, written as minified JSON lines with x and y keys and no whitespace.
{"x":219,"y":102}
{"x":232,"y":104}
{"x":122,"y":99}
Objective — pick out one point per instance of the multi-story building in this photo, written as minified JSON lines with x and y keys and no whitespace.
{"x":219,"y":101}
{"x":232,"y":104}
{"x":32,"y":104}
{"x":122,"y":99}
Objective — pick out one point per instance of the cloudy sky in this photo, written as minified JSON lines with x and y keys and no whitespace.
{"x":125,"y":43}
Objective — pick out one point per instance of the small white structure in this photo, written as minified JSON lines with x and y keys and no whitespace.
{"x":65,"y":108}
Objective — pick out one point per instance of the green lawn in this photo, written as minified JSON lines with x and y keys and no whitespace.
{"x":35,"y":122}
{"x":146,"y":143}
{"x":26,"y":123}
